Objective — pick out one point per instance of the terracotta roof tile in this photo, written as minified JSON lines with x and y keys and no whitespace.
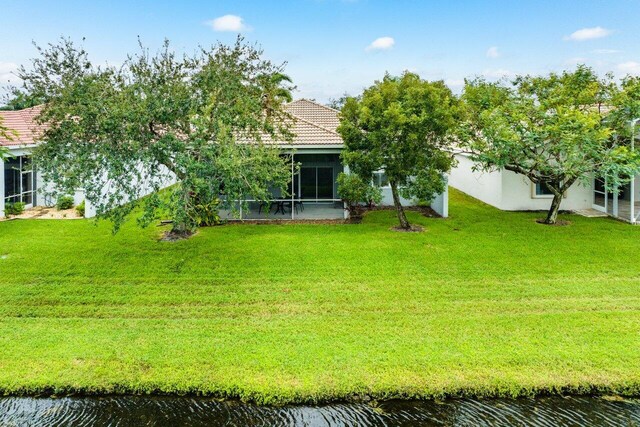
{"x":312,"y":124}
{"x":22,"y":122}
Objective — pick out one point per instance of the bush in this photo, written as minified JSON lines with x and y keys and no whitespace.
{"x":64,"y":202}
{"x":355,"y":192}
{"x":207,"y":213}
{"x":80,"y":209}
{"x":14,"y":208}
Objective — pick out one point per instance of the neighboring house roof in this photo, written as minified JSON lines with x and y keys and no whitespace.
{"x":23,"y":124}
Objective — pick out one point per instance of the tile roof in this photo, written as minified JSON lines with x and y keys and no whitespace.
{"x":315,"y":113}
{"x":312,"y":124}
{"x":22,"y":122}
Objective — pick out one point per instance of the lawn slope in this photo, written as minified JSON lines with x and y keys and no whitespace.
{"x":484,"y":303}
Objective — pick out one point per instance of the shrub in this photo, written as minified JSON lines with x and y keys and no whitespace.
{"x":80,"y":209}
{"x":355,"y":192}
{"x":14,"y":208}
{"x":206,"y":213}
{"x":64,"y":202}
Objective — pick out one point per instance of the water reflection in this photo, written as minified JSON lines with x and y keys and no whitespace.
{"x":168,"y":411}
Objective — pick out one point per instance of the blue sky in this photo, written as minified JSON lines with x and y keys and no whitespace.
{"x":330,"y":45}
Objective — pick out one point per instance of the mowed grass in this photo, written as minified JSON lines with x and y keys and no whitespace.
{"x":484,"y":303}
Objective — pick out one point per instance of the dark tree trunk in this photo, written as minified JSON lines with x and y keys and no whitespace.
{"x":399,"y":209}
{"x":552,"y":215}
{"x":558,"y":194}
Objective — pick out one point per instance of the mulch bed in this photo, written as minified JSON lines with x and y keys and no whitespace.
{"x":423,"y":210}
{"x":559,"y":223}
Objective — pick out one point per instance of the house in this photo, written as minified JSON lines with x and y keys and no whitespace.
{"x":19,"y":181}
{"x":509,"y":191}
{"x":315,"y":165}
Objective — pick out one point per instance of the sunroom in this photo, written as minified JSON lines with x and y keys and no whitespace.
{"x":314,"y":195}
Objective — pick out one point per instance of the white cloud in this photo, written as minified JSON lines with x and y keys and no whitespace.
{"x":630,"y":67}
{"x":455,"y":85}
{"x":497,"y":73}
{"x":576,"y":60}
{"x":232,"y":23}
{"x":7,"y":73}
{"x":605,"y":51}
{"x":493,"y":52}
{"x":588,"y":34}
{"x":381,"y":43}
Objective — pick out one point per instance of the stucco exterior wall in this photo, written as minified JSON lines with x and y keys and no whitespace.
{"x":518,"y":194}
{"x":440,"y":203}
{"x":509,"y":191}
{"x":484,"y":186}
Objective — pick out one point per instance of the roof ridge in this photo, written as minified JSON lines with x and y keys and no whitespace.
{"x":314,"y":124}
{"x":326,"y":107}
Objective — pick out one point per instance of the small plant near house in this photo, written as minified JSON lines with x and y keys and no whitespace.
{"x":64,"y":203}
{"x":206,"y":213}
{"x":80,"y":209}
{"x":357,"y":192}
{"x":14,"y":208}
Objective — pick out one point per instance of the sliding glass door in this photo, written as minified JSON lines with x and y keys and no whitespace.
{"x":316,"y":183}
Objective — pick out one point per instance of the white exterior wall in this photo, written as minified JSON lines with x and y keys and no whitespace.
{"x":43,"y":186}
{"x":146,"y":187}
{"x":484,"y":186}
{"x":440,"y":203}
{"x":518,"y":193}
{"x":509,"y":191}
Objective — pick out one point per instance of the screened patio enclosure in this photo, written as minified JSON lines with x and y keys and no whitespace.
{"x":19,"y":181}
{"x":312,"y":192}
{"x":623,"y":204}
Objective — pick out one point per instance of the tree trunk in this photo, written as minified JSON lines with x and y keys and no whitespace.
{"x":552,"y":216}
{"x":399,"y":209}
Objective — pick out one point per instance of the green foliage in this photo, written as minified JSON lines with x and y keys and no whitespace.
{"x":206,"y":213}
{"x":19,"y":100}
{"x":401,"y":125}
{"x":338,"y":103}
{"x":310,"y":312}
{"x":15,"y":208}
{"x":355,"y":192}
{"x":160,"y":118}
{"x":80,"y":209}
{"x":64,"y":202}
{"x":552,"y":129}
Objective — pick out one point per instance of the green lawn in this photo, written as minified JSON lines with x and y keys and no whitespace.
{"x":484,"y":303}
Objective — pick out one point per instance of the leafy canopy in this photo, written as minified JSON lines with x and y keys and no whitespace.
{"x":196,"y":119}
{"x":401,"y":125}
{"x":551,"y":129}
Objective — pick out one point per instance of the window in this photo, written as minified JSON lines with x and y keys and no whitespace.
{"x":540,"y":190}
{"x":380,"y":179}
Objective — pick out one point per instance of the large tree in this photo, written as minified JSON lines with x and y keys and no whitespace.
{"x":551,"y":129}
{"x":401,"y":125}
{"x":199,"y":118}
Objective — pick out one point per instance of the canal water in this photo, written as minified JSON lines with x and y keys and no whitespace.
{"x":182,"y":411}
